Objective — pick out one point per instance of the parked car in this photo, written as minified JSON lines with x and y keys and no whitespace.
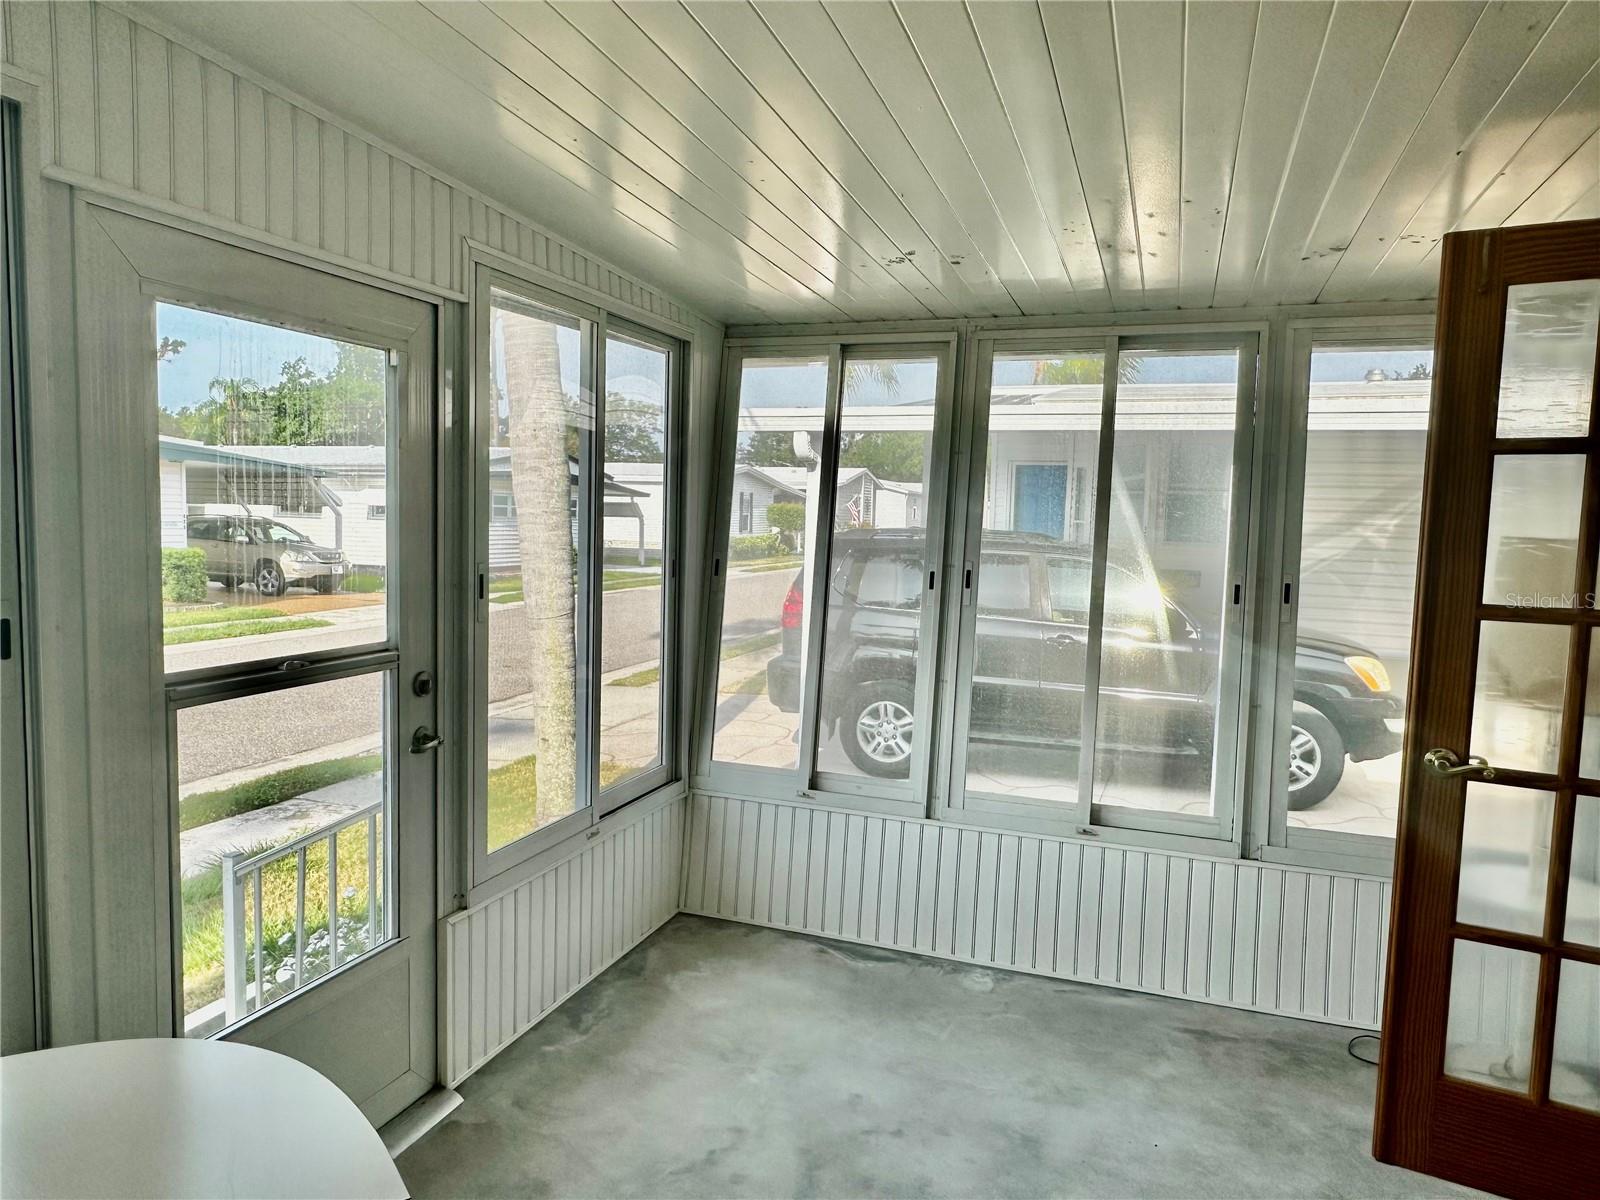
{"x":266,"y":553}
{"x":1158,"y":666}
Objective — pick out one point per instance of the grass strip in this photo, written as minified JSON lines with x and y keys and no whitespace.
{"x":217,"y":616}
{"x":202,"y":808}
{"x":211,"y":633}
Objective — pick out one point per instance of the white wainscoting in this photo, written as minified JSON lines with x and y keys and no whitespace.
{"x":1296,"y":942}
{"x":512,"y":959}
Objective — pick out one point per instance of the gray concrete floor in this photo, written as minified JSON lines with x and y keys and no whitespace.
{"x":723,"y":1060}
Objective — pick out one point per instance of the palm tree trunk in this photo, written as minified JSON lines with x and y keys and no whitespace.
{"x":537,"y":435}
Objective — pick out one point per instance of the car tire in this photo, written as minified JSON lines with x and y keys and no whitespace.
{"x":876,"y":728}
{"x":268,"y":578}
{"x":1316,"y":758}
{"x":327,"y":584}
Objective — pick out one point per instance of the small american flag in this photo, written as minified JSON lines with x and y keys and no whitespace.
{"x":854,"y":509}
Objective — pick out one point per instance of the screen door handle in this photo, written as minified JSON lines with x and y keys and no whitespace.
{"x":1444,"y":762}
{"x":425,"y":739}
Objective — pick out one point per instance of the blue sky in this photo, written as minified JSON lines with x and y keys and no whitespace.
{"x":228,"y":347}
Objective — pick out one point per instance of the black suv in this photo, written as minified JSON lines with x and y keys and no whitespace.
{"x":1158,"y":667}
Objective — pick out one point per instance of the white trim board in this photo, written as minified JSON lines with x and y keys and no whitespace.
{"x":1297,"y":942}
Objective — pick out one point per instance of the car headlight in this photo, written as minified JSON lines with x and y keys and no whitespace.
{"x":1370,"y":671}
{"x":295,"y":556}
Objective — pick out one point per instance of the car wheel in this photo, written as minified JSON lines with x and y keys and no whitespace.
{"x":1316,"y":758}
{"x":876,"y":729}
{"x":269,"y":578}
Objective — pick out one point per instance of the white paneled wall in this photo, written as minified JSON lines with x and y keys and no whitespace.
{"x":513,"y":958}
{"x":172,"y":128}
{"x":1297,"y":942}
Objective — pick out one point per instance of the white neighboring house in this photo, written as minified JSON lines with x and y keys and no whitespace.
{"x":1363,"y":487}
{"x":862,"y":499}
{"x":337,"y":496}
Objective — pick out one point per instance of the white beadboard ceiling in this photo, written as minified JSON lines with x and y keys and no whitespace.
{"x":823,"y":161}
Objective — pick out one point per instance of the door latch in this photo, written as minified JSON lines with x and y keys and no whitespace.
{"x":1444,"y":762}
{"x":425,"y":739}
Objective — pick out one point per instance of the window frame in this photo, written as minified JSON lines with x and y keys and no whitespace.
{"x":802,"y":780}
{"x":1221,"y":831}
{"x":1272,"y":838}
{"x":596,"y":322}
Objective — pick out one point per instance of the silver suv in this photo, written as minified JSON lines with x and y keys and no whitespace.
{"x":269,"y":554}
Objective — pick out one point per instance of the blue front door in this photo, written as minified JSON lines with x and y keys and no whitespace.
{"x":1039,"y":502}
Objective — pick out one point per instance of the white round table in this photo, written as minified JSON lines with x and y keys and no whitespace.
{"x":169,"y":1117}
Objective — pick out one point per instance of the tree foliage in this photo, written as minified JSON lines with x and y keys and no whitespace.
{"x":343,"y":407}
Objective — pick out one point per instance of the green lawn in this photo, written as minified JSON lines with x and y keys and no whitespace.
{"x":202,"y":917}
{"x":202,"y":808}
{"x":212,"y":632}
{"x":514,"y":801}
{"x":768,"y":564}
{"x":181,"y":618}
{"x":508,"y":589}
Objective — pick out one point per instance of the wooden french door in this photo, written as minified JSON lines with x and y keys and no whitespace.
{"x":1491,"y":1039}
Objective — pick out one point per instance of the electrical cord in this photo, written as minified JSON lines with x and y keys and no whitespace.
{"x":1351,"y":1048}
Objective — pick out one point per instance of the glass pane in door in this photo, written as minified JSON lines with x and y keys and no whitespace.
{"x":872,"y":640}
{"x":1505,"y":858}
{"x":1025,"y":689}
{"x":1532,"y":553}
{"x":1489,"y":1031}
{"x":1547,"y":365}
{"x":1167,"y":584}
{"x":274,"y":469}
{"x":1583,"y":879}
{"x":1575,"y":1064}
{"x":1361,"y":515}
{"x":777,"y":489}
{"x":1516,"y":710}
{"x":632,"y":600}
{"x":282,"y":819}
{"x":541,"y":415}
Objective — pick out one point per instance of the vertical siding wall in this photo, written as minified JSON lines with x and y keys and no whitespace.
{"x":170,"y":127}
{"x":512,"y":959}
{"x":1250,"y":935}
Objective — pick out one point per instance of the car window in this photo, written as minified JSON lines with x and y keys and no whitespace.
{"x":271,"y":531}
{"x":890,"y":581}
{"x":1004,"y":589}
{"x":205,"y":530}
{"x":1069,"y":590}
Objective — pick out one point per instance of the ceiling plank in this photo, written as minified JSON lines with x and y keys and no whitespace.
{"x":945,"y":41}
{"x":1217,"y":52}
{"x":677,"y":116}
{"x":1288,"y":46}
{"x":1083,"y":60}
{"x":1570,"y":183}
{"x":875,"y":35}
{"x":445,"y":44}
{"x":784,"y":114}
{"x":1558,"y":137}
{"x":1150,"y":72}
{"x":877,"y":144}
{"x":1358,"y":46}
{"x":1011,"y":40}
{"x":1499,"y":45}
{"x":1558,"y":64}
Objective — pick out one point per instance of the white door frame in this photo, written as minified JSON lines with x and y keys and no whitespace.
{"x":376,"y":1034}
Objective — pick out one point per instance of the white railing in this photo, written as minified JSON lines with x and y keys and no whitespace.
{"x":244,"y":959}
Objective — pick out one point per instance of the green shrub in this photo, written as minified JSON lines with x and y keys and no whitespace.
{"x":363,"y":581}
{"x":762,"y":545}
{"x":788,"y":518}
{"x":183,"y":576}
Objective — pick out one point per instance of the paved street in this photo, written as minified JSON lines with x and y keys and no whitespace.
{"x":262,"y":730}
